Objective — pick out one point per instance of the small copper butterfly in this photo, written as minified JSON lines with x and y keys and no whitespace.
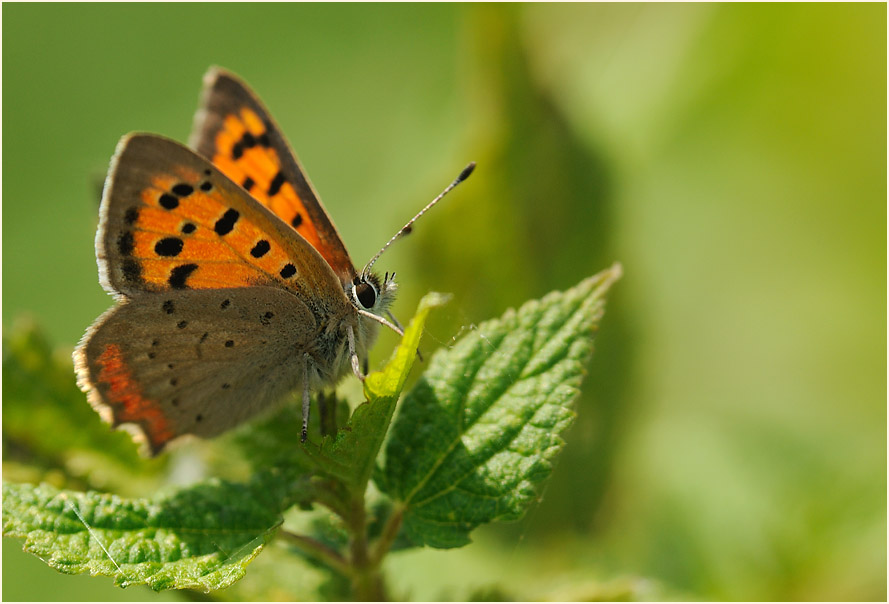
{"x":233,"y":286}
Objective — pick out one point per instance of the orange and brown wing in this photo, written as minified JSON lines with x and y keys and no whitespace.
{"x":218,"y":298}
{"x":170,"y":220}
{"x":234,"y":131}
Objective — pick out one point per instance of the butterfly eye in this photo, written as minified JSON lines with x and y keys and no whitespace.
{"x":366,"y":294}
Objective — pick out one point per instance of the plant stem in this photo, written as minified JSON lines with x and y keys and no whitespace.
{"x":367,"y":582}
{"x":388,"y":535}
{"x":320,"y":551}
{"x":358,"y":528}
{"x":367,"y":586}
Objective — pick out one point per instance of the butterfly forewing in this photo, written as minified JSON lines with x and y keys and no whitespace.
{"x":170,"y":220}
{"x":235,"y":131}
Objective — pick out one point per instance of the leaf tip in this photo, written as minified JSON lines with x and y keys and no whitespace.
{"x":433,"y":300}
{"x":599,"y":284}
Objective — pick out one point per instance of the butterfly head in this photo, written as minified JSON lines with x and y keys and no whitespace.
{"x":371,"y":296}
{"x":370,"y":293}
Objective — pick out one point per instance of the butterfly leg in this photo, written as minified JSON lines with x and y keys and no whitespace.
{"x":306,"y":399}
{"x":394,"y":320}
{"x":356,"y":368}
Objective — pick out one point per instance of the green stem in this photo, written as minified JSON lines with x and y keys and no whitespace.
{"x":387,"y":537}
{"x":367,"y":581}
{"x":320,"y":551}
{"x":368,"y":586}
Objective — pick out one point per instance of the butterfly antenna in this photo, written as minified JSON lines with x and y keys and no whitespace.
{"x":407,"y":228}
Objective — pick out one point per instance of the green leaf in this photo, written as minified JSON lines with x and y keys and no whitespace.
{"x":351,"y":454}
{"x":49,"y":425}
{"x":273,"y":441}
{"x":477,"y":434}
{"x":201,"y":537}
{"x":281,"y":574}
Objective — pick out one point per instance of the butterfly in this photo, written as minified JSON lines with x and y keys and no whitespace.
{"x":233,"y":287}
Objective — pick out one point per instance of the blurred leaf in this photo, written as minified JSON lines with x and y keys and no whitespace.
{"x":302,"y":581}
{"x":306,"y":578}
{"x":266,"y":583}
{"x":380,"y":510}
{"x":282,"y":468}
{"x":477,"y":434}
{"x":48,"y":423}
{"x":622,"y":589}
{"x":491,"y":593}
{"x":350,"y":456}
{"x":202,"y":537}
{"x":545,"y":197}
{"x":274,"y":441}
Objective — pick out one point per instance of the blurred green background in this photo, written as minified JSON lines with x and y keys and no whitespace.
{"x":731,"y":439}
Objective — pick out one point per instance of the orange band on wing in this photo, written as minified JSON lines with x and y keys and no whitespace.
{"x":257,"y":167}
{"x":197,"y":240}
{"x":125,"y":397}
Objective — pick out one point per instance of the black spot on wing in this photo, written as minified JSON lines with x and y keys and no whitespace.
{"x":261,"y":248}
{"x":183,"y":189}
{"x":168,"y":246}
{"x":132,"y":271}
{"x":276,"y":184}
{"x":226,"y":224}
{"x":125,"y":243}
{"x":180,"y":274}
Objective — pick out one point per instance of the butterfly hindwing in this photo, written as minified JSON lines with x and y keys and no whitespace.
{"x":171,"y":221}
{"x":195,"y":362}
{"x":235,"y":131}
